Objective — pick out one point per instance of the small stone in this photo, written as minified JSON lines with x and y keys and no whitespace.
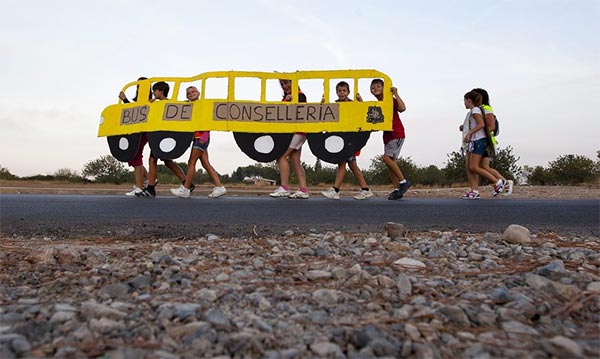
{"x":369,"y":242}
{"x":106,"y":326}
{"x":519,"y":328}
{"x":563,"y":291}
{"x":116,"y":291}
{"x":383,"y":348}
{"x":189,"y":328}
{"x":594,"y":287}
{"x":562,"y":347}
{"x":61,"y":317}
{"x":183,"y":311}
{"x":92,"y":309}
{"x":553,"y":270}
{"x":141,"y":282}
{"x":404,"y":285}
{"x":216,"y":318}
{"x":325,"y":297}
{"x":455,"y":314}
{"x":516,"y":234}
{"x":222,"y":277}
{"x":318,"y":274}
{"x":385,"y":281}
{"x":327,"y":350}
{"x":212,"y":237}
{"x":501,"y":296}
{"x":412,"y":331}
{"x":394,"y":230}
{"x":206,"y":295}
{"x":355,"y":269}
{"x":410,"y":263}
{"x":20,"y":346}
{"x":466,"y":335}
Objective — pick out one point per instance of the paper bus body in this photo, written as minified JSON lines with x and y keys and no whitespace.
{"x":250,"y":120}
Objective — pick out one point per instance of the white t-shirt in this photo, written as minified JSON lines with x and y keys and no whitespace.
{"x":473,"y":123}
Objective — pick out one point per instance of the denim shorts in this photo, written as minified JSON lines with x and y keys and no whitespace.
{"x":478,"y":147}
{"x":198,"y":144}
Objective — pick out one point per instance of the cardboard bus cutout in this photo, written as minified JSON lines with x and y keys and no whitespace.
{"x":262,"y":128}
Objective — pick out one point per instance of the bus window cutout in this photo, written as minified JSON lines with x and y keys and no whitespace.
{"x":247,"y":89}
{"x":182,"y":95}
{"x":215,"y":88}
{"x":333,"y":91}
{"x":312,"y":89}
{"x":273,"y":91}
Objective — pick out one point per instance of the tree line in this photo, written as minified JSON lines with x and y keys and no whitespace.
{"x":567,"y":169}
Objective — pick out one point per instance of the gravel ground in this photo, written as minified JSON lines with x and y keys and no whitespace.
{"x":391,"y":293}
{"x":323,"y":295}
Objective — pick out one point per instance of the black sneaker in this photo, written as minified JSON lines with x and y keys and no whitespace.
{"x":192,"y":186}
{"x":394,"y":195}
{"x":143,"y":193}
{"x":147,"y":192}
{"x":403,"y":187}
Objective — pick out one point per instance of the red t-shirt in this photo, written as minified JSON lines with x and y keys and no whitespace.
{"x":397,"y":131}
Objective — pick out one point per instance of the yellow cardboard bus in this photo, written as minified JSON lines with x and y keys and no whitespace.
{"x":262,"y":126}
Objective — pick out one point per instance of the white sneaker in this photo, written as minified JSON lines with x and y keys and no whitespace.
{"x":364,"y":194}
{"x":217,"y":192}
{"x":181,"y":192}
{"x":498,"y":188}
{"x":280,"y":192}
{"x":508,"y":189}
{"x":331,"y":193}
{"x":299,"y":195}
{"x":132,"y":193}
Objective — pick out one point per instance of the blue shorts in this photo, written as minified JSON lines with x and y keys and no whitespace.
{"x":202,"y":146}
{"x":478,"y":147}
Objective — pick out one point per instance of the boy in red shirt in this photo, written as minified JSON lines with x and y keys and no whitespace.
{"x":393,"y":141}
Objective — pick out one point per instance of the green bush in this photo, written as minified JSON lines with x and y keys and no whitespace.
{"x":6,"y":175}
{"x":572,"y":169}
{"x":105,"y":169}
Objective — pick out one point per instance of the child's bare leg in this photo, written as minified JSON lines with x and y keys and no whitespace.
{"x":360,"y":178}
{"x":191,"y":169}
{"x":152,"y":168}
{"x":214,"y":176}
{"x":485,"y":164}
{"x":297,"y":167}
{"x":395,"y":172}
{"x":284,"y":168}
{"x":474,"y":167}
{"x":138,"y":172}
{"x":177,"y":171}
{"x":340,"y":173}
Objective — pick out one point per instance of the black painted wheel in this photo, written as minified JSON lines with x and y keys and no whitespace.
{"x":124,"y":147}
{"x":169,"y":145}
{"x":336,"y":147}
{"x":263,"y":147}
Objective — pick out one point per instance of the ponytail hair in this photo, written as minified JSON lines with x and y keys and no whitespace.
{"x":475,"y":97}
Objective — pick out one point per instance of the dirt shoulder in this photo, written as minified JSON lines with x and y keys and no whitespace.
{"x":56,"y":187}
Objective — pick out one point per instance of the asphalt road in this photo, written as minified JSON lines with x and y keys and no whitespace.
{"x":69,"y":216}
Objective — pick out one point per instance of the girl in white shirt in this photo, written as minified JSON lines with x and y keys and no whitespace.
{"x":476,"y":143}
